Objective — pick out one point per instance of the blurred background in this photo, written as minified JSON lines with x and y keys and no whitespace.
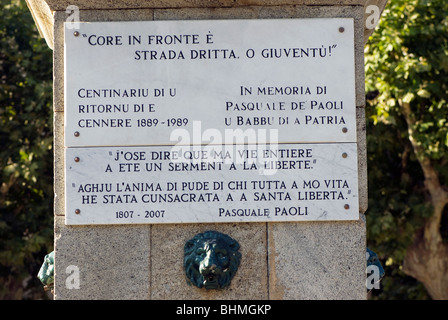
{"x":406,"y":65}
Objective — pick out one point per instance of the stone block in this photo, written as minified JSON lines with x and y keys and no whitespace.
{"x":112,"y":262}
{"x":168,"y":278}
{"x":303,"y":260}
{"x":317,"y":260}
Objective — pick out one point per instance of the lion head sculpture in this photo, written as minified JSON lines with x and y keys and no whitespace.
{"x":46,"y":271}
{"x":211,"y":259}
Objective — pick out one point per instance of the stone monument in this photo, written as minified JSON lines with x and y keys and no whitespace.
{"x":209,"y":149}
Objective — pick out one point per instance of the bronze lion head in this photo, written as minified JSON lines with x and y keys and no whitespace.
{"x":211,"y":259}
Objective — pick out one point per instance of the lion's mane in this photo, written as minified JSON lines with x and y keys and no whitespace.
{"x":191,"y":262}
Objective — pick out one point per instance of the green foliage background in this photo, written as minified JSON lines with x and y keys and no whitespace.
{"x":406,"y":60}
{"x":26,"y":155}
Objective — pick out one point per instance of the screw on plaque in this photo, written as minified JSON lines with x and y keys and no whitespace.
{"x":76,"y":134}
{"x":344,"y":129}
{"x":77,"y":159}
{"x":77,"y":211}
{"x":76,"y":33}
{"x":344,"y":155}
{"x":341,"y":29}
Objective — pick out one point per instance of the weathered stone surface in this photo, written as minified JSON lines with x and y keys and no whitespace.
{"x":42,"y":9}
{"x":113,"y":263}
{"x":304,"y":260}
{"x":168,"y":278}
{"x":317,"y":261}
{"x":133,"y":4}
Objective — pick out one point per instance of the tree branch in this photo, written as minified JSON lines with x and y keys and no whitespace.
{"x":439,"y":197}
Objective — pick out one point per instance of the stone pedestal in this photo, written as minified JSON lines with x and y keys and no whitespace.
{"x":280,"y":260}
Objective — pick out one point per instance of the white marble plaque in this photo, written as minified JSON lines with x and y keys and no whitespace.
{"x":225,"y":183}
{"x":139,"y":83}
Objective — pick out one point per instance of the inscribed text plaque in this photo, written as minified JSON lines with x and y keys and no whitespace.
{"x":239,"y":183}
{"x":135,"y":83}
